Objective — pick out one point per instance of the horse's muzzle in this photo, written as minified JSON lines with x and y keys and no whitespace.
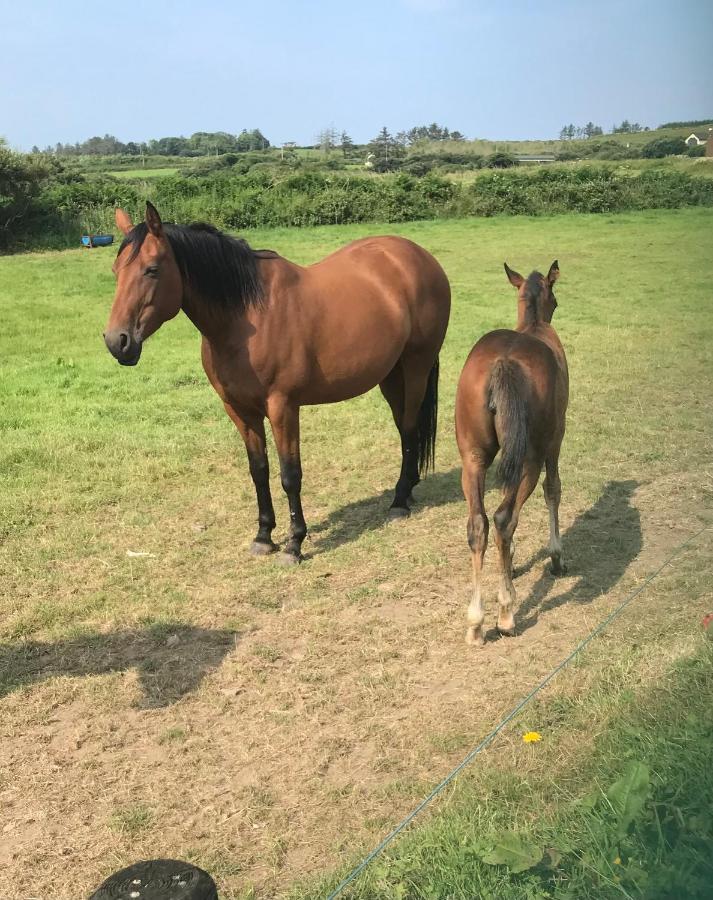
{"x":123,"y":346}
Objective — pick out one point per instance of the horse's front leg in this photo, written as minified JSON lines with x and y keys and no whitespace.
{"x":285,"y":422}
{"x":252,"y":429}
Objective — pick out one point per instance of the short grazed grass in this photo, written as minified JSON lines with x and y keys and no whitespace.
{"x":270,"y":724}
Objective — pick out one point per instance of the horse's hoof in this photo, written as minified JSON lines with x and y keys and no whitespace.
{"x":558,"y":570}
{"x":289,"y":559}
{"x":260,"y":548}
{"x":506,"y":632}
{"x":398,"y":512}
{"x":475,"y":639}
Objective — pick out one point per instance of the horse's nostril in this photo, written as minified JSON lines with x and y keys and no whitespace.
{"x":123,"y":341}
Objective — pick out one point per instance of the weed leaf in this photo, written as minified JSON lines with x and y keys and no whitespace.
{"x":515,"y":852}
{"x":628,"y":794}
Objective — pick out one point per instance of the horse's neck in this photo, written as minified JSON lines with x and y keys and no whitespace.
{"x":214,"y":322}
{"x":544,"y":332}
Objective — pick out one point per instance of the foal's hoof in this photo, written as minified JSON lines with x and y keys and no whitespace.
{"x":506,"y":632}
{"x":289,"y":559}
{"x":558,"y":569}
{"x":474,"y":637}
{"x":260,"y":548}
{"x":398,"y":512}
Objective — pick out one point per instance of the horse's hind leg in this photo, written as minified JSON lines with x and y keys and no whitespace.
{"x":506,"y":519}
{"x":553,"y":492}
{"x":394,"y":390}
{"x":473,"y":480}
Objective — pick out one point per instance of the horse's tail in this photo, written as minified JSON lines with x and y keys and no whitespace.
{"x":427,"y":422}
{"x":508,"y":400}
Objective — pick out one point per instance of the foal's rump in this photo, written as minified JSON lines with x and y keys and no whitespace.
{"x":505,"y":399}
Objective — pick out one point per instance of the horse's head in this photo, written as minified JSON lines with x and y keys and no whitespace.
{"x":536,"y":301}
{"x":149,"y":288}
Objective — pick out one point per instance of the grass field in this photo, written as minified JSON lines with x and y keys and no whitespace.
{"x":272,"y":724}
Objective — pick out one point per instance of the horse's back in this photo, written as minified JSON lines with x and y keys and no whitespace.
{"x":396,"y":264}
{"x":337,"y":328}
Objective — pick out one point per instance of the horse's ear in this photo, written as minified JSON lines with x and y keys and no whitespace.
{"x":153,"y":220}
{"x":515,"y":278}
{"x":123,"y":222}
{"x":554,"y":272}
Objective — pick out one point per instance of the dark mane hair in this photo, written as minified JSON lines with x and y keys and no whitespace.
{"x":533,"y":289}
{"x":221,"y":269}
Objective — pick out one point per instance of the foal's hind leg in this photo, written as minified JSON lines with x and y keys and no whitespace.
{"x":473,"y":480}
{"x":506,"y":519}
{"x":553,"y":492}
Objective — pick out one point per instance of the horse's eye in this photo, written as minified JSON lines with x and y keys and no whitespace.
{"x":151,"y":271}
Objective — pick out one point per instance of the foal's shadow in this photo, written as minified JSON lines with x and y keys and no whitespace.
{"x":170,"y":659}
{"x":352,"y":520}
{"x":598,"y":546}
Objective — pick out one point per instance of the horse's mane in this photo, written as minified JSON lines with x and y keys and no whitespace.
{"x":221,"y":269}
{"x":533,"y":289}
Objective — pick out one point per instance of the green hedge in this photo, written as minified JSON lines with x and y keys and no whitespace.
{"x":264,"y":198}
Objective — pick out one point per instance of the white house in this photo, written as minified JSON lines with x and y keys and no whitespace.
{"x":698,"y":138}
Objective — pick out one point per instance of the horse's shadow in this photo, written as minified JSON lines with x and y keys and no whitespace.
{"x":598,"y":546}
{"x":171,"y":659}
{"x":349,"y":522}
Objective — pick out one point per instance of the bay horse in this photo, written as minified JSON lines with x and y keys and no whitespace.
{"x":512,"y":395}
{"x":277,"y":336}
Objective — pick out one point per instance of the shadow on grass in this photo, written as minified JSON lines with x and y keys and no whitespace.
{"x":598,"y":546}
{"x":171,"y":659}
{"x":352,"y":520}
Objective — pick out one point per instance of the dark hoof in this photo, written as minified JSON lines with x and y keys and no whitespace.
{"x":558,"y":570}
{"x":260,"y":548}
{"x":506,"y":632}
{"x":398,"y":512}
{"x":289,"y":559}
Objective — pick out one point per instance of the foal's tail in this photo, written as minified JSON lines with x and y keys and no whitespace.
{"x":427,"y":422}
{"x":508,"y":400}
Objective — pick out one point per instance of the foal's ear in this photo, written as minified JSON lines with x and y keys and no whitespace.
{"x":515,"y":278}
{"x":554,"y":273}
{"x":123,"y":222}
{"x":153,"y":220}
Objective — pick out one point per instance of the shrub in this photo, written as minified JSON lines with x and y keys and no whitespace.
{"x":500,"y":160}
{"x":664,"y":147}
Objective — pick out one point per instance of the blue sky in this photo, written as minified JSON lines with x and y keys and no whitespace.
{"x":490,"y":69}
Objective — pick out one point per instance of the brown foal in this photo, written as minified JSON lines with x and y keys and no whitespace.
{"x":512,"y":395}
{"x":278,"y":336}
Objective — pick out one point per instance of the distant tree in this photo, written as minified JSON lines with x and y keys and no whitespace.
{"x":690,"y":123}
{"x":457,"y":136}
{"x":385,"y":148}
{"x":251,"y":140}
{"x":327,"y":140}
{"x":346,"y":144}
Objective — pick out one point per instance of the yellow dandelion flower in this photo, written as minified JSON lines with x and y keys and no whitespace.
{"x":531,"y":737}
{"x":617,"y":861}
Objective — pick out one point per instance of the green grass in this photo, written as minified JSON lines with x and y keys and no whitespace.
{"x":272,"y":724}
{"x":589,"y":829}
